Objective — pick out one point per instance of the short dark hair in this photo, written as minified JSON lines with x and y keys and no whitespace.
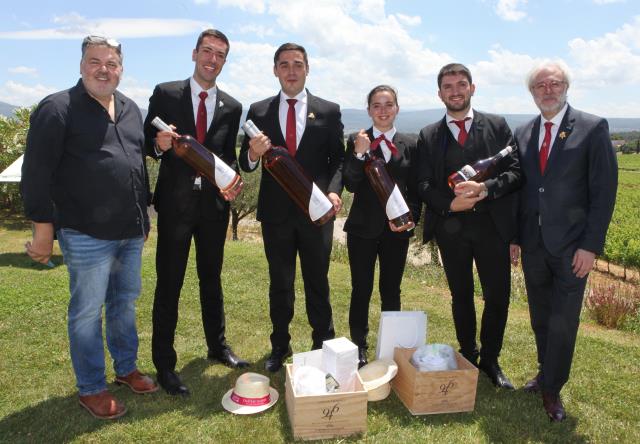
{"x":215,"y":34}
{"x":290,"y":47}
{"x":454,"y":68}
{"x":97,"y":40}
{"x":381,"y":88}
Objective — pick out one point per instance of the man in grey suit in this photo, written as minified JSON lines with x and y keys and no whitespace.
{"x":570,"y":180}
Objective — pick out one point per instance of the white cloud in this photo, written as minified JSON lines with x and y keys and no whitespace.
{"x":606,"y":2}
{"x":510,"y":10}
{"x":255,"y":6}
{"x":409,"y":20}
{"x":503,"y":68}
{"x":33,"y":72}
{"x":136,"y":90}
{"x":75,"y":26}
{"x":612,"y":58}
{"x":256,"y":30}
{"x":24,"y":95}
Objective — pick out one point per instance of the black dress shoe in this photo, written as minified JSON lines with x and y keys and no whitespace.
{"x":276,"y":359}
{"x":533,"y":385}
{"x":494,"y":372}
{"x":228,"y":358}
{"x":171,"y":383}
{"x":362,"y":357}
{"x":553,"y":406}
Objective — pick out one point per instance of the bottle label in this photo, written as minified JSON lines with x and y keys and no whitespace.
{"x":319,"y":204}
{"x":224,"y":174}
{"x":396,"y":206}
{"x":506,"y":151}
{"x":467,"y":172}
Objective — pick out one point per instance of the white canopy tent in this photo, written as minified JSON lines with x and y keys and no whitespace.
{"x":13,"y":173}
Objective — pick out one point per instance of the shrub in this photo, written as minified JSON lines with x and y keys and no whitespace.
{"x":611,"y":304}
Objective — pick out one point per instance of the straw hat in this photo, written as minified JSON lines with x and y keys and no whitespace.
{"x":376,"y":376}
{"x":251,"y":394}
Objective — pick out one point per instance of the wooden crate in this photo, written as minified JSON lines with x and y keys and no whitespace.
{"x":326,"y":416}
{"x":425,"y":393}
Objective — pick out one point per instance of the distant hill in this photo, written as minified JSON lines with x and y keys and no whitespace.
{"x":7,"y":109}
{"x":413,"y":121}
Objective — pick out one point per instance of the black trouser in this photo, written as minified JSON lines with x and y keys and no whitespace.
{"x":392,"y":253}
{"x":555,"y":299}
{"x":282,"y":243}
{"x":464,"y":238}
{"x":172,"y":254}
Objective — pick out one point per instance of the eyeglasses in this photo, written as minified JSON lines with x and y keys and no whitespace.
{"x":554,"y":85}
{"x":99,"y":40}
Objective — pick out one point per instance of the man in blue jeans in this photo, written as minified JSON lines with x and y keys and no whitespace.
{"x":84,"y":177}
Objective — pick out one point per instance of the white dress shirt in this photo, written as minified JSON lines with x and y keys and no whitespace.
{"x":386,"y":152}
{"x":455,"y":130}
{"x":556,"y":120}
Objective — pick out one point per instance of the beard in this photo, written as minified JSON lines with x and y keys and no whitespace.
{"x":458,"y":106}
{"x":554,"y":107}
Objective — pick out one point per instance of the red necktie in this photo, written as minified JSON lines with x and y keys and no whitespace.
{"x":201,"y":120}
{"x":462,"y":135}
{"x":291,"y":127}
{"x":544,"y":149}
{"x":390,"y":144}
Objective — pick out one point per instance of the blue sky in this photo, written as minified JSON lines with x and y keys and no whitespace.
{"x":353,"y":46}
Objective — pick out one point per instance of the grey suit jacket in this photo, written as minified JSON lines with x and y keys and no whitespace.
{"x":571,"y":204}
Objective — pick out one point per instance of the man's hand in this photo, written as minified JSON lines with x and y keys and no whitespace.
{"x":514,"y":253}
{"x":231,"y":194}
{"x":336,"y":201}
{"x":464,"y":202}
{"x":470,"y":189}
{"x":40,"y":247}
{"x":582,"y":262}
{"x":258,"y":146}
{"x":398,"y":230}
{"x":164,"y":139}
{"x":362,"y":142}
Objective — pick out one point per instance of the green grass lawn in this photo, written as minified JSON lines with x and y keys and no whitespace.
{"x":38,"y":400}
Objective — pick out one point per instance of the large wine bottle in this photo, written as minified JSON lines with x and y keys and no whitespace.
{"x":480,"y":171}
{"x":388,"y":193}
{"x":294,"y":180}
{"x":203,"y":161}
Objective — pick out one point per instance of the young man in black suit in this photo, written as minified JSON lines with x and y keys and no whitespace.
{"x":475,"y":222}
{"x":309,"y":127}
{"x":189,"y":206}
{"x":570,"y":179}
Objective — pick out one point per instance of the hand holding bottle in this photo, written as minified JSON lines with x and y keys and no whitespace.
{"x":362,"y":142}
{"x":164,"y":139}
{"x":258,"y":145}
{"x":470,"y":188}
{"x":464,"y":202}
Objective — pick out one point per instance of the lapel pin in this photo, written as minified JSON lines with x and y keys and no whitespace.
{"x":311,"y":116}
{"x":220,"y":104}
{"x":562,"y":135}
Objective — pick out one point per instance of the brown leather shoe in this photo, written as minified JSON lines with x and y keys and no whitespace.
{"x":137,"y":382}
{"x":533,"y":385}
{"x":103,"y":405}
{"x":553,"y":406}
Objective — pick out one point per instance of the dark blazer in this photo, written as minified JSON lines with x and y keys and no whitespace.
{"x":494,"y":134}
{"x":320,"y":152}
{"x":367,"y":217}
{"x":576,"y":195}
{"x":171,"y":101}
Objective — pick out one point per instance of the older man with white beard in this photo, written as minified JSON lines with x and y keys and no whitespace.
{"x":570,"y":181}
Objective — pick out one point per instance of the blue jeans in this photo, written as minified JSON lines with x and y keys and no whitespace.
{"x":101,"y":272}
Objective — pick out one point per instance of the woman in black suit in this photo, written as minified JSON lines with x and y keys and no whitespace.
{"x":370,"y":235}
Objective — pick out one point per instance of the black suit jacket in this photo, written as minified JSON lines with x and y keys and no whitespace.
{"x":575,"y":196}
{"x":493,"y":134}
{"x":320,"y":152}
{"x":367,"y":217}
{"x":171,"y":102}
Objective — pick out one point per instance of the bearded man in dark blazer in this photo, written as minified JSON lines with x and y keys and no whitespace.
{"x":317,"y":144}
{"x":475,"y":222}
{"x":570,"y":180}
{"x":189,"y":206}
